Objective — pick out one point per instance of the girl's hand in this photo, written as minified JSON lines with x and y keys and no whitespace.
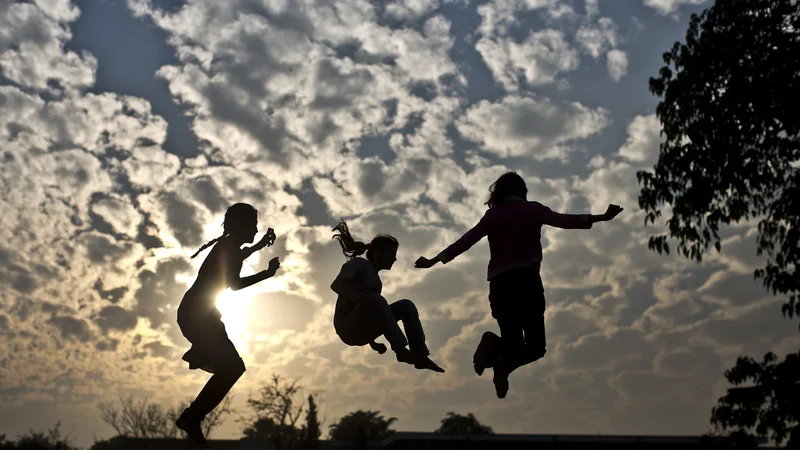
{"x":612,"y":211}
{"x":274,"y":264}
{"x":268,"y":239}
{"x":380,"y":348}
{"x":424,"y":263}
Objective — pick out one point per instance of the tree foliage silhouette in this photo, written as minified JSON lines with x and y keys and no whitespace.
{"x":311,"y":430}
{"x":459,"y":424}
{"x":142,"y":418}
{"x":375,"y":426}
{"x":277,"y":407}
{"x":51,"y":439}
{"x":731,"y":136}
{"x":770,"y":408}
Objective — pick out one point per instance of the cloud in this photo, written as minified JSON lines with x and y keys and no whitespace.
{"x":535,"y":61}
{"x":596,"y":39}
{"x":668,"y":7}
{"x":642,"y":145}
{"x":539,"y":129}
{"x":71,"y":327}
{"x":617,"y":64}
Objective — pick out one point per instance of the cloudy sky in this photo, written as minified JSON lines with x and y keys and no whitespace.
{"x":126,"y":129}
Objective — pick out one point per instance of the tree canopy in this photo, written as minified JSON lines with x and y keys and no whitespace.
{"x":731,"y":136}
{"x":770,"y":406}
{"x":374,"y":425}
{"x":460,"y":424}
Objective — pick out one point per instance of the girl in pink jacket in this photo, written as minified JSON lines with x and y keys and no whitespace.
{"x":516,"y":294}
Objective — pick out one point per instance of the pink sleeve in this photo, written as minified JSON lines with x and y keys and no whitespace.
{"x":465,"y":242}
{"x":567,"y":221}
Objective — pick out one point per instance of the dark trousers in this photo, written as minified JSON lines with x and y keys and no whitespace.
{"x":213,"y":352}
{"x":516,"y":298}
{"x":373,"y":318}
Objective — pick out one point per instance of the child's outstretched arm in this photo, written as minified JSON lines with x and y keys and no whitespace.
{"x":574,"y":221}
{"x":241,"y":283}
{"x":463,"y":244}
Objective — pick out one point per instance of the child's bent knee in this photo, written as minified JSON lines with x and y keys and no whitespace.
{"x":406,"y":303}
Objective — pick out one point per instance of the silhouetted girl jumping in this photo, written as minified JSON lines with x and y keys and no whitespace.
{"x":516,"y":294}
{"x":199,"y":319}
{"x":362,"y":314}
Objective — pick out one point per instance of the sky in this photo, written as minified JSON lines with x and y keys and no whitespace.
{"x":127,"y":128}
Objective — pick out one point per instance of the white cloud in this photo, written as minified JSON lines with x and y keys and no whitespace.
{"x":540,"y":129}
{"x":598,"y":38}
{"x":32,"y":47}
{"x":617,"y":64}
{"x":667,"y":7}
{"x":642,"y":145}
{"x":538,"y":60}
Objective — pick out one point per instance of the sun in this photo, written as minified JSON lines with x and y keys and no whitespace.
{"x":234,"y":307}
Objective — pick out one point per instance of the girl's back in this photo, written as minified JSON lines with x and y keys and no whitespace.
{"x":514,"y":230}
{"x":216,"y":274}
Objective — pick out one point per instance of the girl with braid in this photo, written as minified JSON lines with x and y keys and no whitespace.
{"x":362,"y":314}
{"x":199,"y":319}
{"x":513,"y":226}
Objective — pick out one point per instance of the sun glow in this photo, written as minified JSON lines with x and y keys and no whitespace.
{"x":234,"y":307}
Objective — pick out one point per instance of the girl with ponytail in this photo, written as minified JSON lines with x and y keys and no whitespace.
{"x":362,"y":314}
{"x":516,"y":294}
{"x":199,"y":319}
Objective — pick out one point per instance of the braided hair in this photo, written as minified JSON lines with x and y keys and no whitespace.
{"x":352,"y":248}
{"x":508,"y":185}
{"x":236,"y":215}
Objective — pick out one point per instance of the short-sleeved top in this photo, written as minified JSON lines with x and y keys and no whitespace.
{"x":360,"y":272}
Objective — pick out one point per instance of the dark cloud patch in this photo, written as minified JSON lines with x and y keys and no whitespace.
{"x":115,"y":318}
{"x":159,"y":350}
{"x":376,"y":146}
{"x":3,"y":322}
{"x":101,"y":249}
{"x":313,"y":205}
{"x":71,"y":327}
{"x":425,"y":90}
{"x":593,"y":351}
{"x":182,"y":219}
{"x":337,"y":90}
{"x":23,"y":308}
{"x":109,"y":345}
{"x":160,"y":289}
{"x":372,"y":178}
{"x":111,"y":295}
{"x":734,"y":289}
{"x":205,"y":191}
{"x":18,"y":277}
{"x":270,"y":130}
{"x":323,"y":129}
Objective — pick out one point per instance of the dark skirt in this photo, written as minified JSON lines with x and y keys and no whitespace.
{"x":211,"y":349}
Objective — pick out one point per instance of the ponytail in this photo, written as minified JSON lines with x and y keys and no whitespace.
{"x":350,"y":247}
{"x":208,"y":244}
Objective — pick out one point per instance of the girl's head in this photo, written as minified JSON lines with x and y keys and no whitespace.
{"x":508,"y":185}
{"x":381,"y":251}
{"x":241,"y":224}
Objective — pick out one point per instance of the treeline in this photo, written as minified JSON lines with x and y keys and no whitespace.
{"x":281,"y":411}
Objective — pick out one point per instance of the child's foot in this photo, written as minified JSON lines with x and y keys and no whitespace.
{"x":418,"y":360}
{"x":483,"y":354}
{"x":427,"y":363}
{"x":500,"y":378}
{"x":192,"y":428}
